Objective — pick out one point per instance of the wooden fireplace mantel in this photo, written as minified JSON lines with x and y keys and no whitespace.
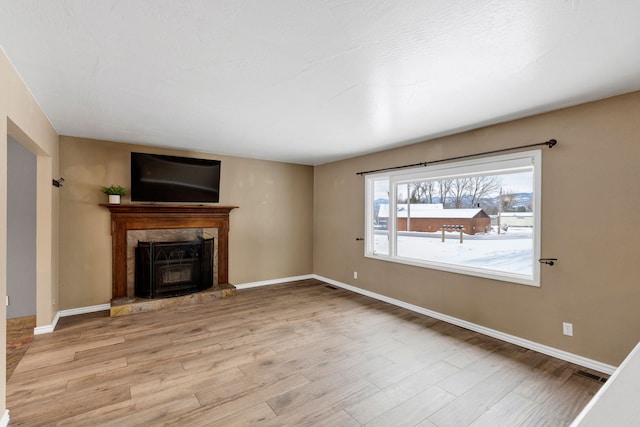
{"x":125,"y":217}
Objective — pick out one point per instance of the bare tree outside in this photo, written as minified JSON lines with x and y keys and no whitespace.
{"x":423,"y":192}
{"x":483,"y":186}
{"x":459,"y":189}
{"x":443,"y":190}
{"x":465,"y":192}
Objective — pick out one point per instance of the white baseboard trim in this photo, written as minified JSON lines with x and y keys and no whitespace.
{"x":274,"y":281}
{"x":84,"y":310}
{"x":47,"y":329}
{"x":531,"y":345}
{"x":4,"y":421}
{"x":70,"y":312}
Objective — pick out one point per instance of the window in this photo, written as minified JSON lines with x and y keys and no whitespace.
{"x":479,"y":217}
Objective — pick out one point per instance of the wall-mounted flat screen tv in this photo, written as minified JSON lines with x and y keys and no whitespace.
{"x":160,"y":178}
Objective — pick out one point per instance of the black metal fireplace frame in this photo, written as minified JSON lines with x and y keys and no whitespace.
{"x":160,"y":268}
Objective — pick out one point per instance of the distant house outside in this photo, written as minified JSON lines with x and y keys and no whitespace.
{"x":514,"y":219}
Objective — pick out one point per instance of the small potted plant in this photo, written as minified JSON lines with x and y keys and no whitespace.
{"x":114,"y":192}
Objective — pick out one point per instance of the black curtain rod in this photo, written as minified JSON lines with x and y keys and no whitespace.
{"x":550,"y":143}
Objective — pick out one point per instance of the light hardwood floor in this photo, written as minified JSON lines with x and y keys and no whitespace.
{"x":301,"y":353}
{"x":19,"y":337}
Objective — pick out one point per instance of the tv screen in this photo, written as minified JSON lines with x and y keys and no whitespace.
{"x":160,"y":178}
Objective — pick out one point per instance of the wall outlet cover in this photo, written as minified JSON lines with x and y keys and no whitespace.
{"x":567,"y":328}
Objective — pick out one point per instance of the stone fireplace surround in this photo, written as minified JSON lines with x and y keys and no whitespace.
{"x":166,"y":220}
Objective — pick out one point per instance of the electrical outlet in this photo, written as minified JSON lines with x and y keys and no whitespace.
{"x":355,"y":274}
{"x":7,"y":301}
{"x":567,"y":328}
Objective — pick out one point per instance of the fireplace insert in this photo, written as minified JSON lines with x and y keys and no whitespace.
{"x":166,"y":269}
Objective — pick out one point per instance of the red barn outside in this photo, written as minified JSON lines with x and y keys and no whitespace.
{"x":431,"y":218}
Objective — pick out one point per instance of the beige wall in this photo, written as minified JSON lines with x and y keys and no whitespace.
{"x":22,"y":119}
{"x":590,"y":206}
{"x":270,"y":233}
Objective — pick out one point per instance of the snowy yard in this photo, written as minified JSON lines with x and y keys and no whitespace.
{"x":510,"y":252}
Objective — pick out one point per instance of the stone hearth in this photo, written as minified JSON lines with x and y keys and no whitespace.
{"x":125,"y":306}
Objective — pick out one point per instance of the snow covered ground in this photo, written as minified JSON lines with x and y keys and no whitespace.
{"x":510,"y":252}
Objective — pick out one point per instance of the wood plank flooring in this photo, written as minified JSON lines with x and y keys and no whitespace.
{"x":19,"y":337}
{"x":294,"y":354}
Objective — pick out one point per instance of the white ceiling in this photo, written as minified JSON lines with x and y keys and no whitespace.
{"x":312,"y":81}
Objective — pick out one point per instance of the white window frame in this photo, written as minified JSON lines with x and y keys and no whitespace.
{"x":475,"y":167}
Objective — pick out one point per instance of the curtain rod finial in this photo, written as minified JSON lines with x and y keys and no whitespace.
{"x":551,"y":142}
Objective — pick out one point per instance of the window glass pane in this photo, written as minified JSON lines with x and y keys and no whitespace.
{"x":483,"y":222}
{"x":380,"y":210}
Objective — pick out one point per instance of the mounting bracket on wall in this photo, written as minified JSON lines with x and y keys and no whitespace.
{"x":548,"y":261}
{"x":58,"y":182}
